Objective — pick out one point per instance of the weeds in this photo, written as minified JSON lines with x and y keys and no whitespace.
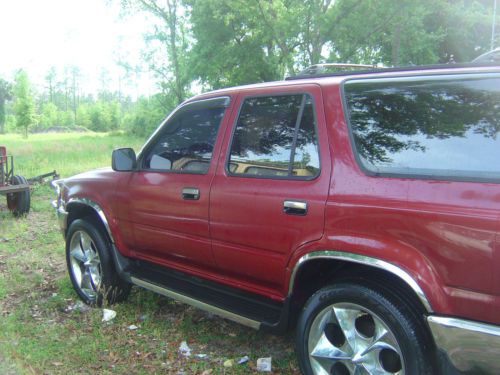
{"x":40,"y":334}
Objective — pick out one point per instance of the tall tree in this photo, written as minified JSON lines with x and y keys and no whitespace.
{"x":24,"y":107}
{"x":51,"y":83}
{"x":5,"y":95}
{"x":168,"y":42}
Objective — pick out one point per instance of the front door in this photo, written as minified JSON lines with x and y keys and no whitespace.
{"x":268,"y":196}
{"x":169,"y":195}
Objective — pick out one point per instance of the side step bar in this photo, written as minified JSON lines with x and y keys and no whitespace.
{"x":196,"y":303}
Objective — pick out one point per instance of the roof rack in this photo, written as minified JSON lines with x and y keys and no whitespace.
{"x":305,"y":74}
{"x":490,"y":56}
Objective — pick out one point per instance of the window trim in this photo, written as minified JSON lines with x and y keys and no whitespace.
{"x":412,"y":78}
{"x":215,"y":102}
{"x":289,"y":178}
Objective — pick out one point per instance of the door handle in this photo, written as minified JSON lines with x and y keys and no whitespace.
{"x":192,"y":194}
{"x":295,"y":207}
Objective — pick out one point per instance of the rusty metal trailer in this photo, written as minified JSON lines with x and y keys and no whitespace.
{"x":15,"y":187}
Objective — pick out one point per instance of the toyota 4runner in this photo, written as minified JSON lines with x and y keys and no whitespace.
{"x":361,"y":209}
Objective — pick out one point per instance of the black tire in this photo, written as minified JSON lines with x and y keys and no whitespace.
{"x":94,"y":279}
{"x":19,"y":203}
{"x":370,"y":310}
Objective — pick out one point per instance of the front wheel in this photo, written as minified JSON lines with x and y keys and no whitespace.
{"x":90,"y":266}
{"x":352,"y":329}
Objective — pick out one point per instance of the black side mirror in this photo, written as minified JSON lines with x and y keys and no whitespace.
{"x":123,"y":160}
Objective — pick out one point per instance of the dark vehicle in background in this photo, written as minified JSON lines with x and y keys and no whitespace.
{"x":361,"y":209}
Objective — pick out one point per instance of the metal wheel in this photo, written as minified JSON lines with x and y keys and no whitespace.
{"x":85,"y":264}
{"x":346,"y":338}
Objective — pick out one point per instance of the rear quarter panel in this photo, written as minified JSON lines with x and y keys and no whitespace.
{"x":443,"y":233}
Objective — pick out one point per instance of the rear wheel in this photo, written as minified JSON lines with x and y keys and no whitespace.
{"x":19,"y":202}
{"x":352,"y":329}
{"x":90,"y":266}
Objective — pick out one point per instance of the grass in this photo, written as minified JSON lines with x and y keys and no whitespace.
{"x":41,"y":334}
{"x":68,"y":154}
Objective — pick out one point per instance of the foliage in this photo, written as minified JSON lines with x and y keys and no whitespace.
{"x":5,"y":94}
{"x":147,"y":115}
{"x":24,"y":106}
{"x":211,"y":44}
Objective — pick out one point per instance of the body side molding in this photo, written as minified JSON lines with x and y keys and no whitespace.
{"x":361,"y":259}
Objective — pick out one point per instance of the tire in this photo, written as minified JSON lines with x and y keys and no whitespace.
{"x":341,"y":331}
{"x":19,"y":203}
{"x":91,"y":267}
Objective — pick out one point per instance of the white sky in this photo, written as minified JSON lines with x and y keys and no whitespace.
{"x":38,"y":34}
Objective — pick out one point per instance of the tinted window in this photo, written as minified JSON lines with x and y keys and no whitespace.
{"x":186,"y":142}
{"x":430,"y":126}
{"x":275,"y":136}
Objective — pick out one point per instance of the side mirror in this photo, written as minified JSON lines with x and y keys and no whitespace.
{"x":123,"y":160}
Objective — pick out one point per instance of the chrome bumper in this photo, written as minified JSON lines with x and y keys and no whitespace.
{"x":62,"y":216}
{"x":471,"y":347}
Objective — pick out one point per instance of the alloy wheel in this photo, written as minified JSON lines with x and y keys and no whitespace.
{"x":85,"y":264}
{"x":348,"y":339}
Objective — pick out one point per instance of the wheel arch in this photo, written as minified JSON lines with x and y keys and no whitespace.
{"x":319,"y":268}
{"x":79,"y":208}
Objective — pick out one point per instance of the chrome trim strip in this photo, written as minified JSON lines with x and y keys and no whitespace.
{"x":62,"y":216}
{"x":361,"y":259}
{"x":470,"y":346}
{"x":97,"y":209}
{"x":198,"y":304}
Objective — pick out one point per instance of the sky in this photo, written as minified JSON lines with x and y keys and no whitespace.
{"x":36,"y":35}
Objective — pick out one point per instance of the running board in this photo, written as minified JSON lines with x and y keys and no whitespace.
{"x":196,"y":303}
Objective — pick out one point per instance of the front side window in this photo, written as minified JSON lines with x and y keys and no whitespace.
{"x":442,"y":127}
{"x":186,"y":142}
{"x":275,"y":136}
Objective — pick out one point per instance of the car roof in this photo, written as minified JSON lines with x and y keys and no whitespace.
{"x":332,"y":79}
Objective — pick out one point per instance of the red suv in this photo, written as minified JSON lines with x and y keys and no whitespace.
{"x":361,"y":209}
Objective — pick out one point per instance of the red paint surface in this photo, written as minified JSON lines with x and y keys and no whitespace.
{"x":444,"y":234}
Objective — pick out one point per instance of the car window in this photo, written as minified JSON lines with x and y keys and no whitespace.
{"x":275,"y":136}
{"x":186,"y":142}
{"x":447,"y":127}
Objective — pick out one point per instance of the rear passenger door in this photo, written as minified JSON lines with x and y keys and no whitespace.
{"x":268,"y":195}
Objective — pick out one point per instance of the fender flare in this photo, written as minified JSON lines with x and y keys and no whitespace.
{"x":365,"y":260}
{"x":97,"y":208}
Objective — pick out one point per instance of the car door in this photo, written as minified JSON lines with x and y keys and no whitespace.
{"x":268,"y":196}
{"x":169,"y":194}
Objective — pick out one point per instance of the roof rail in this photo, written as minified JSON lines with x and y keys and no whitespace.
{"x":307,"y":75}
{"x":490,"y":56}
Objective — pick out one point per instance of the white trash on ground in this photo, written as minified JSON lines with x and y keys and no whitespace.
{"x":264,"y":364}
{"x":108,"y":315}
{"x":184,"y":349}
{"x":243,"y":360}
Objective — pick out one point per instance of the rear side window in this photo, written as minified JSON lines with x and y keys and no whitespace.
{"x":275,"y":136}
{"x":430,"y":126}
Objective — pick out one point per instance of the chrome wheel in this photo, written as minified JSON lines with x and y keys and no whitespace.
{"x":85,"y":264}
{"x":348,"y":339}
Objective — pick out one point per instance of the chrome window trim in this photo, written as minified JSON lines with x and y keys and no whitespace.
{"x":97,"y":209}
{"x":471,"y":347}
{"x":361,"y":259}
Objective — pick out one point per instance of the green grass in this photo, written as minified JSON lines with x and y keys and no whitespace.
{"x":39,"y":335}
{"x":68,"y":154}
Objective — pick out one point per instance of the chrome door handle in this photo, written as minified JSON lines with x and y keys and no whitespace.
{"x":192,"y":194}
{"x":295,"y":207}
